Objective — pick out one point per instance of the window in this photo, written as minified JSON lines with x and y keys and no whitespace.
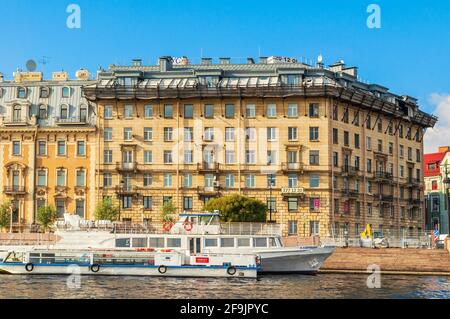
{"x":42,"y":112}
{"x":335,"y":112}
{"x":107,"y":156}
{"x":187,"y":181}
{"x":107,"y":180}
{"x":188,"y":134}
{"x":314,"y":110}
{"x":174,"y":242}
{"x":229,"y":181}
{"x":292,"y":204}
{"x":314,"y":228}
{"x":313,"y":133}
{"x":402,"y":171}
{"x":16,"y":148}
{"x":21,"y":93}
{"x":148,"y":134}
{"x":346,"y":138}
{"x":81,"y":178}
{"x":272,"y":204}
{"x":335,"y":136}
{"x":369,"y":165}
{"x":271,"y":134}
{"x":168,"y":134}
{"x":211,"y":242}
{"x":81,"y":148}
{"x":314,"y":204}
{"x":250,"y":181}
{"x":229,"y":134}
{"x":108,"y":112}
{"x":250,"y":157}
{"x":227,"y":242}
{"x":292,"y":133}
{"x":168,"y":111}
{"x":107,"y":134}
{"x":380,"y":125}
{"x":167,"y":180}
{"x":314,"y":157}
{"x":229,"y":111}
{"x":127,"y":202}
{"x":65,"y":92}
{"x":271,"y":157}
{"x":168,"y":157}
{"x":188,"y":156}
{"x":356,"y":140}
{"x":271,"y":180}
{"x":409,"y":154}
{"x":209,"y":134}
{"x":356,"y":118}
{"x":127,"y":133}
{"x":187,"y":203}
{"x":41,"y":178}
{"x":418,"y":156}
{"x":188,"y":111}
{"x":314,"y":180}
{"x":148,"y":179}
{"x":44,"y":92}
{"x":335,"y":159}
{"x":292,"y":228}
{"x":250,"y":134}
{"x":402,"y":151}
{"x":17,"y":113}
{"x":64,"y":112}
{"x":391,"y":148}
{"x":292,"y":180}
{"x":380,"y":146}
{"x":60,"y":177}
{"x":209,"y":180}
{"x":148,"y":111}
{"x":83,"y":114}
{"x":61,"y":148}
{"x":292,"y":110}
{"x":250,"y":111}
{"x":368,"y":143}
{"x":60,"y":207}
{"x":271,"y":110}
{"x":368,"y":122}
{"x":209,"y":111}
{"x":345,"y":117}
{"x":229,"y":157}
{"x":128,"y":113}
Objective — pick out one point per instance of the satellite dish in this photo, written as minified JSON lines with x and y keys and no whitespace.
{"x":320,"y":59}
{"x":31,"y":66}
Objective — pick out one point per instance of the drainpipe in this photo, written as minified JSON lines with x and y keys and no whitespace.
{"x":33,"y":182}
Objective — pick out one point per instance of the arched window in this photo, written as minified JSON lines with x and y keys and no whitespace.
{"x":17,"y":113}
{"x":64,"y":112}
{"x":83,"y":114}
{"x":44,"y":92}
{"x":42,"y":111}
{"x":66,"y":91}
{"x":21,"y":92}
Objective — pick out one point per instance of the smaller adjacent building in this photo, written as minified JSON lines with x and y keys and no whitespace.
{"x":437,"y":180}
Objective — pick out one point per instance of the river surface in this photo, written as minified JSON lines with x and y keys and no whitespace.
{"x":285,"y":287}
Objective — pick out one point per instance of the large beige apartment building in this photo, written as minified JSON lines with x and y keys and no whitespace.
{"x":326,"y":152}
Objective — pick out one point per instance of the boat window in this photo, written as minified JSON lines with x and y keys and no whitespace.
{"x":243,"y":242}
{"x":226,"y":242}
{"x":174,"y":242}
{"x":211,"y":242}
{"x":139,"y":242}
{"x":123,"y":242}
{"x":14,"y":257}
{"x":156,"y":242}
{"x":272,"y":242}
{"x":259,"y":242}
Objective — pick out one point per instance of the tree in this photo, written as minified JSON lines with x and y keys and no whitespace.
{"x":5,"y":215}
{"x":237,"y":208}
{"x":167,"y":211}
{"x":106,"y":210}
{"x":46,"y":215}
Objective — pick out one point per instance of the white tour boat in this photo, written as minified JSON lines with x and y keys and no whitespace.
{"x":197,"y":233}
{"x":145,"y":262}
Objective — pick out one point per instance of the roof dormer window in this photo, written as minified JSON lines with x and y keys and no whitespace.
{"x":66,"y":92}
{"x":21,"y":92}
{"x":44,"y":92}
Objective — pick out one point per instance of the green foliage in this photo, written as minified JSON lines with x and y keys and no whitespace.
{"x":46,"y":216}
{"x":106,"y":210}
{"x":237,"y":208}
{"x":5,"y":215}
{"x":167,"y":211}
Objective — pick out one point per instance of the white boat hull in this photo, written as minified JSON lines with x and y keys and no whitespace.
{"x":112,"y":270}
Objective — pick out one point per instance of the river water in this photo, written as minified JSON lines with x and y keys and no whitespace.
{"x":268,"y":286}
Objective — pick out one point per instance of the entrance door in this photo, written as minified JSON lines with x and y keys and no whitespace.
{"x":195,"y":245}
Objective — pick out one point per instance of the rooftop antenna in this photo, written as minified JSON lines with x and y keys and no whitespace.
{"x":44,"y":61}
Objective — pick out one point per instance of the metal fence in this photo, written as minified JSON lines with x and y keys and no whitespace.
{"x":424,"y":241}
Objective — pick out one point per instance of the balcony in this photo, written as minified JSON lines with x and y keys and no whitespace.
{"x":350,"y":193}
{"x":291,"y":167}
{"x":70,"y":121}
{"x":386,"y":198}
{"x":14,"y":190}
{"x":126,"y":190}
{"x":413,"y":182}
{"x":350,"y":170}
{"x":415,"y":202}
{"x":383,"y":177}
{"x":208,"y":191}
{"x":126,"y":167}
{"x":207,"y":167}
{"x":14,"y":121}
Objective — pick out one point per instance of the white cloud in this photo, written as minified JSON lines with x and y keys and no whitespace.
{"x":440,"y":134}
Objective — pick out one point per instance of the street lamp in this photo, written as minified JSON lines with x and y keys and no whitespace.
{"x":447,"y":198}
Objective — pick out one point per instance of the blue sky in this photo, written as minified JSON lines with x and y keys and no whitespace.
{"x":409,"y":54}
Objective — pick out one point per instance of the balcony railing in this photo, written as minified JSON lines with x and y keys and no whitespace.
{"x":127,"y":190}
{"x":387,"y":198}
{"x":350,"y":193}
{"x":126,"y":167}
{"x":383,"y":176}
{"x":12,"y":121}
{"x":350,"y":170}
{"x":71,"y":121}
{"x":414,"y":182}
{"x":14,"y":190}
{"x":291,"y":167}
{"x":208,"y":167}
{"x":208,"y":190}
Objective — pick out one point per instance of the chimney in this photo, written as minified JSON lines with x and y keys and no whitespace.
{"x":137,"y":62}
{"x":224,"y":60}
{"x":263,"y":60}
{"x":250,"y":61}
{"x":337,"y":66}
{"x":206,"y":61}
{"x":444,"y":149}
{"x":165,"y":63}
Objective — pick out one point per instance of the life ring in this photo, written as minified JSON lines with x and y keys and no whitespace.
{"x":258,"y":260}
{"x":162,"y":269}
{"x":231,"y":271}
{"x":95,"y":268}
{"x":188,"y":226}
{"x":167,"y":226}
{"x":29,"y":267}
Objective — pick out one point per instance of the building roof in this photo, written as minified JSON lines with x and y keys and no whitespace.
{"x":433,"y":158}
